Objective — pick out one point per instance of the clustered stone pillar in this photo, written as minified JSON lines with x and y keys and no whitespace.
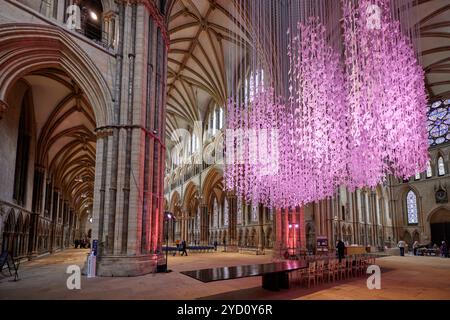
{"x":290,"y":231}
{"x":203,"y":224}
{"x":38,"y":187}
{"x":232,"y":223}
{"x":128,"y":192}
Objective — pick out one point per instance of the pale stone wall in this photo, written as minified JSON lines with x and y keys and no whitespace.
{"x":425,"y":189}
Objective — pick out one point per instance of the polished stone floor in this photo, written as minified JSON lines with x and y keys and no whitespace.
{"x":401,"y":278}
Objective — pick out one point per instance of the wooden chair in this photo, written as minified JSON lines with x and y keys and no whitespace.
{"x":331,"y":271}
{"x":342,"y":269}
{"x":320,"y":271}
{"x":349,"y":267}
{"x":365,"y":263}
{"x":296,"y":276}
{"x":356,"y":267}
{"x":311,"y":273}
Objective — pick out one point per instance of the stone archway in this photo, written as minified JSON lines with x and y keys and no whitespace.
{"x":70,"y":100}
{"x":25,"y":48}
{"x":440,"y":225}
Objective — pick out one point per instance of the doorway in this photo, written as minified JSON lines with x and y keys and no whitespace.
{"x":440,"y":226}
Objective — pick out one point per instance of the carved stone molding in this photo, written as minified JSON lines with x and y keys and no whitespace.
{"x":103,"y":133}
{"x":3,"y":108}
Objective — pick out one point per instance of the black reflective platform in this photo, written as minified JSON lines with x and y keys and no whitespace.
{"x":275,"y":275}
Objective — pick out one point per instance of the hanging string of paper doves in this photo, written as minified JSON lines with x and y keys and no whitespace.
{"x":327,"y":94}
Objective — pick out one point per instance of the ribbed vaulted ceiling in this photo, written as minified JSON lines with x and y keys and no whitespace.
{"x":200,"y":37}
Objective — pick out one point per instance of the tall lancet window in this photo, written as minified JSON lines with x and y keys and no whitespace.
{"x":197,"y":222}
{"x":23,"y":150}
{"x":239,"y":211}
{"x":194,"y":143}
{"x":429,"y":170}
{"x":255,"y":212}
{"x":215,"y":214}
{"x":441,"y":166}
{"x":221,"y":118}
{"x":252,"y":84}
{"x":411,"y":207}
{"x":225,"y":213}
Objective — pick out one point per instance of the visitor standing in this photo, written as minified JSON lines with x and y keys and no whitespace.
{"x":215,"y":245}
{"x":415,"y":247}
{"x":444,"y":249}
{"x":401,"y":244}
{"x":341,"y":250}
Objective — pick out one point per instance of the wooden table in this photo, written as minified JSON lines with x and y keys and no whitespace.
{"x":353,"y":250}
{"x":275,"y":276}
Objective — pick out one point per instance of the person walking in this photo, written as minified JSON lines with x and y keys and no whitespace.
{"x":183,"y":248}
{"x":215,"y":245}
{"x":444,"y":249}
{"x":415,"y":247}
{"x":341,"y":250}
{"x":401,"y":244}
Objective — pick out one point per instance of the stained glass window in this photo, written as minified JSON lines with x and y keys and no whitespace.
{"x":225,"y":214}
{"x":197,"y":222}
{"x":221,"y":118}
{"x":194,"y":143}
{"x":439,"y":122}
{"x":411,"y":206}
{"x":255,"y":212}
{"x":441,"y":166}
{"x":215,"y":122}
{"x":239,"y":211}
{"x":253,"y":83}
{"x":215,"y":214}
{"x":429,"y":170}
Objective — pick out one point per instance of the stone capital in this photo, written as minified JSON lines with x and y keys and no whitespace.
{"x":103,"y":133}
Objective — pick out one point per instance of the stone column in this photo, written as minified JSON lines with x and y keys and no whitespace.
{"x":232,"y":245}
{"x":204,"y":224}
{"x":278,"y":234}
{"x":302,"y":225}
{"x":260,"y":228}
{"x":38,"y":193}
{"x":128,"y":192}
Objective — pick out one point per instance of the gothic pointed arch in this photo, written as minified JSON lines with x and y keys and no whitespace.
{"x":25,"y":48}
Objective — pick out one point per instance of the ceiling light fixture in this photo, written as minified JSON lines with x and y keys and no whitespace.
{"x":93,"y":15}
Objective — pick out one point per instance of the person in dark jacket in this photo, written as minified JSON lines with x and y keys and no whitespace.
{"x":341,"y":250}
{"x":444,"y":249}
{"x":183,"y":248}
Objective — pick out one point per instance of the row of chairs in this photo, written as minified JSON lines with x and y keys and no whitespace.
{"x":191,"y":249}
{"x":200,"y":249}
{"x":319,"y":271}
